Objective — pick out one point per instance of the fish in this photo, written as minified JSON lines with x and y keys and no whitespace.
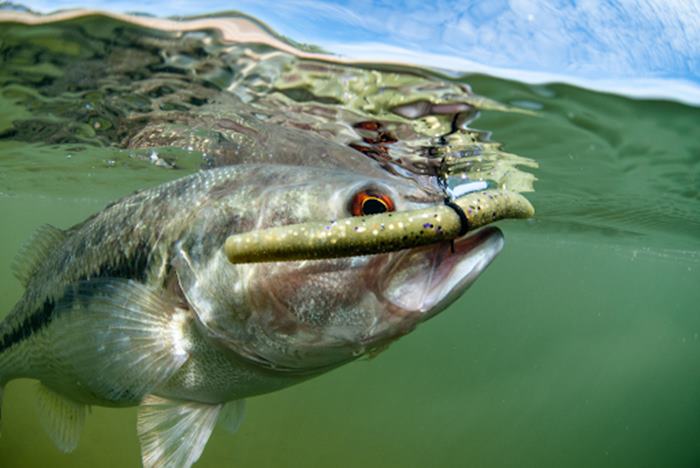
{"x":139,"y":304}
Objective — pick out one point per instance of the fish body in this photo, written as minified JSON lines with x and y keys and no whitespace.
{"x":139,"y":306}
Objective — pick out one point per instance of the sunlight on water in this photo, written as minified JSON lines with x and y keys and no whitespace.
{"x":578,"y":347}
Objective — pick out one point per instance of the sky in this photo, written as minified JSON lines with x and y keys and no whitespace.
{"x":635,"y":47}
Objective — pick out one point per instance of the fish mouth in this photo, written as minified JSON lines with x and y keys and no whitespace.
{"x":424,"y":281}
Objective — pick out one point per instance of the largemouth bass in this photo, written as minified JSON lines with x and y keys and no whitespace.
{"x":140,"y":306}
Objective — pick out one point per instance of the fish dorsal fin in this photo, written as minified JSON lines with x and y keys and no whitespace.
{"x":173,"y":433}
{"x":119,"y":338}
{"x":231,"y":415}
{"x":30,"y":257}
{"x":61,"y":418}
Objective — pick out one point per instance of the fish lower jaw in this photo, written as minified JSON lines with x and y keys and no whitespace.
{"x":424,"y":281}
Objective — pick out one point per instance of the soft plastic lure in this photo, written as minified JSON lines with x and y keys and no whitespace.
{"x":379,"y":233}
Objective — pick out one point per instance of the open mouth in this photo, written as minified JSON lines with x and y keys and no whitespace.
{"x":425,"y":280}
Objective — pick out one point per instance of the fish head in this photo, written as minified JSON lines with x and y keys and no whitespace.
{"x":307,"y":316}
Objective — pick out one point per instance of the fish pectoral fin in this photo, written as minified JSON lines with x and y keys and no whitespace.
{"x":118,"y":338}
{"x":33,"y":253}
{"x":173,"y":433}
{"x":62,"y":419}
{"x":231,"y":415}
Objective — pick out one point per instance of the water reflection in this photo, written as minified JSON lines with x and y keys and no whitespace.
{"x":207,"y":90}
{"x":645,"y":48}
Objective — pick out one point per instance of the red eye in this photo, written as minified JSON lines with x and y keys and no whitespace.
{"x":369,"y":202}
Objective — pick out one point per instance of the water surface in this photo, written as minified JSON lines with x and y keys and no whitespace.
{"x":579,"y":346}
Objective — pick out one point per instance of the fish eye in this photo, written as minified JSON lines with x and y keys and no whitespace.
{"x":369,"y":202}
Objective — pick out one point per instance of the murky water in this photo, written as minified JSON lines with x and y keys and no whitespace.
{"x":579,"y":346}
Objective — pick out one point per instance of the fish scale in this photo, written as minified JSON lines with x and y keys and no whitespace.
{"x":139,"y":305}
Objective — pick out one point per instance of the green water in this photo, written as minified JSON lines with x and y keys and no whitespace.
{"x":578,"y":347}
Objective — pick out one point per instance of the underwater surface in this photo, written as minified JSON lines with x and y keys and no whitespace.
{"x":579,"y":346}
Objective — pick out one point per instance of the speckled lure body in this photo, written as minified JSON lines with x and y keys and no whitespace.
{"x":380,"y":233}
